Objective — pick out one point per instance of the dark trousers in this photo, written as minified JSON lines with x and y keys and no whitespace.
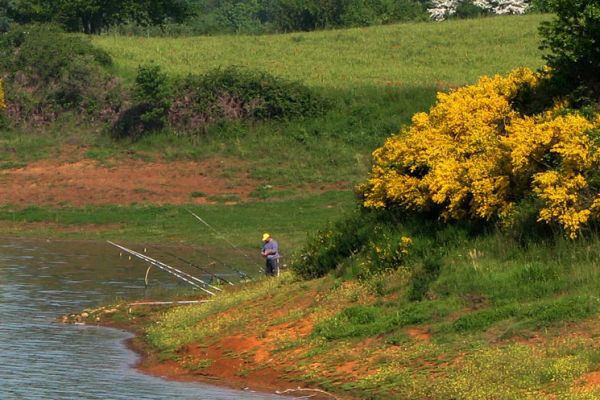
{"x":272,"y":267}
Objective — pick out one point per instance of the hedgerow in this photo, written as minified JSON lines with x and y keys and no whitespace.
{"x":235,"y":93}
{"x":475,"y":156}
{"x":48,"y":73}
{"x":192,"y":104}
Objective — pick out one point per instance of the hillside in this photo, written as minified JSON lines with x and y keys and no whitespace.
{"x":402,"y":55}
{"x":375,"y":77}
{"x":409,"y":307}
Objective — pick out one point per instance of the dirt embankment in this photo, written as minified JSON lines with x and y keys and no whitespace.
{"x":88,"y":182}
{"x":242,"y":361}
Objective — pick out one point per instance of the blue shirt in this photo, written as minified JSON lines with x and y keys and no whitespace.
{"x":271,"y":248}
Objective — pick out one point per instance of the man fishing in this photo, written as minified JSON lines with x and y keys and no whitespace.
{"x":270,"y":250}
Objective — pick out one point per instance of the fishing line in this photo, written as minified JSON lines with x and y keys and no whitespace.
{"x":165,"y":267}
{"x":225,"y":239}
{"x":193,"y":265}
{"x":242,"y":274}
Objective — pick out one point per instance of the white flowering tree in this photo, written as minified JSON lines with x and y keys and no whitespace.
{"x":442,"y":9}
{"x":503,"y":7}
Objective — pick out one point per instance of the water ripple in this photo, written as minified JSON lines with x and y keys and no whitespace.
{"x":40,"y":359}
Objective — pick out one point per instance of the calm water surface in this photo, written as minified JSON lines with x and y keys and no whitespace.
{"x":42,"y":359}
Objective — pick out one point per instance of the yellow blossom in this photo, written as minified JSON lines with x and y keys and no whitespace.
{"x":474,"y":156}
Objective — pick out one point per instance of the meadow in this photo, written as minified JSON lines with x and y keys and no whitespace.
{"x":241,"y":224}
{"x":402,"y":55}
{"x":474,"y":312}
{"x":376,"y":78}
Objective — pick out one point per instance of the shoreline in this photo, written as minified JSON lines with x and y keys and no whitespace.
{"x":272,"y":382}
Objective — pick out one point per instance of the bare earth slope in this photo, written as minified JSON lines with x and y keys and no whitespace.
{"x":88,"y":182}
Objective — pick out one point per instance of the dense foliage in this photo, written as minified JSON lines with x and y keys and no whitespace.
{"x":220,"y":95}
{"x":186,"y":17}
{"x":39,"y":88}
{"x":93,"y":16}
{"x":295,"y":15}
{"x":572,"y":41}
{"x":151,"y":93}
{"x":266,"y":16}
{"x":2,"y":103}
{"x":209,"y":16}
{"x":475,"y":156}
{"x":364,"y":244}
{"x":236,"y":93}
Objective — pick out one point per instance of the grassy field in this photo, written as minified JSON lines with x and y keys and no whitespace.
{"x":241,"y":224}
{"x":498,"y":315}
{"x":412,"y":54}
{"x":376,"y":78}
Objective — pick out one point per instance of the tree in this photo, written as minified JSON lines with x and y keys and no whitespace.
{"x":573,"y":41}
{"x":92,"y":16}
{"x":439,"y":10}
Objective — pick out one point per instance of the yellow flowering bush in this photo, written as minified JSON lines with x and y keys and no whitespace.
{"x":475,"y":156}
{"x":2,"y":103}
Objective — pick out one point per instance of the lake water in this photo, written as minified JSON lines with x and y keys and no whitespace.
{"x":42,"y":359}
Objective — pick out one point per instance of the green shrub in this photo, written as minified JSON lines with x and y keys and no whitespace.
{"x":49,"y":73}
{"x":466,"y":9}
{"x":386,"y":250}
{"x":152,"y":94}
{"x":324,"y":251}
{"x":423,"y":277}
{"x":572,"y":41}
{"x":235,"y":93}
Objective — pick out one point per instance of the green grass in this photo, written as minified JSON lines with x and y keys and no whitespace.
{"x":376,"y":77}
{"x":12,"y":165}
{"x":472,"y":352}
{"x":241,"y":224}
{"x":16,"y":147}
{"x":474,"y":288}
{"x":453,"y":52}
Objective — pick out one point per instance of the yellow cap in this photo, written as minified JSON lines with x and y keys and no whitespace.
{"x":265,"y":236}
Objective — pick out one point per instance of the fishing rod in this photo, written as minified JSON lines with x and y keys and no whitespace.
{"x":193,"y":265}
{"x":156,"y":265}
{"x":181,"y":272}
{"x":242,"y":274}
{"x":148,"y":258}
{"x":224,"y":238}
{"x":173,"y":271}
